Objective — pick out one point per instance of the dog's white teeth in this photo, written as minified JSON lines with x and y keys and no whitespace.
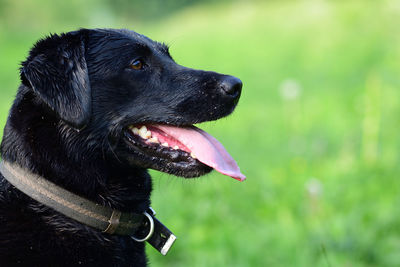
{"x":165,"y":144}
{"x":144,"y":133}
{"x":176,"y":147}
{"x":193,"y":155}
{"x":154,"y":140}
{"x":148,"y":134}
{"x":134,"y":130}
{"x":143,"y":129}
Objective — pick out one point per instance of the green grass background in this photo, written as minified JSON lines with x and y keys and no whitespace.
{"x":316,"y":130}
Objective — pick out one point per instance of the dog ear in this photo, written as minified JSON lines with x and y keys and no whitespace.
{"x":56,"y":70}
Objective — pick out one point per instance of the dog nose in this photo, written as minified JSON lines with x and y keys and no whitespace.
{"x":231,"y":86}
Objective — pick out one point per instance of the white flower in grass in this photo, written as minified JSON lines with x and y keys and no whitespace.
{"x":314,"y":187}
{"x":290,"y":89}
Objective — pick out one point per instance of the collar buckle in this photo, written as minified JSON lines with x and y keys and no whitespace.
{"x":113,"y":222}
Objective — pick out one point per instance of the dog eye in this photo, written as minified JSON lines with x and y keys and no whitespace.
{"x":137,"y":65}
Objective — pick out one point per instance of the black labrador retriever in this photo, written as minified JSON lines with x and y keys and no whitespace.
{"x":95,"y":109}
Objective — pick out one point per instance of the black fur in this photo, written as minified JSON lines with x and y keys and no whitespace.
{"x":68,"y":124}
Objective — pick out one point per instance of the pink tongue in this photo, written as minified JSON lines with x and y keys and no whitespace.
{"x":206,"y":148}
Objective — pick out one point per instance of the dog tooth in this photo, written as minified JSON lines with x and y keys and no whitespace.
{"x":193,"y":155}
{"x":148,"y":134}
{"x":176,"y":147}
{"x":153,"y":140}
{"x":143,"y":128}
{"x":165,"y":144}
{"x":143,"y":132}
{"x":135,"y":130}
{"x":143,"y":135}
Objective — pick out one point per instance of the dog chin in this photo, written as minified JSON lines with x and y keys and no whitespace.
{"x":175,"y":162}
{"x":190,"y":172}
{"x":181,"y":169}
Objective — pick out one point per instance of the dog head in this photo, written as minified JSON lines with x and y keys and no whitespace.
{"x":121,"y":88}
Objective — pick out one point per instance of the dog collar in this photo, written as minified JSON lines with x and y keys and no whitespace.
{"x":140,"y":227}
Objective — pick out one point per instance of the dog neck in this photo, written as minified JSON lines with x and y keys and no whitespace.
{"x":72,"y":165}
{"x":103,"y":218}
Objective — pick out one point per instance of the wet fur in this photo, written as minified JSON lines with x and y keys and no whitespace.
{"x":66,"y":124}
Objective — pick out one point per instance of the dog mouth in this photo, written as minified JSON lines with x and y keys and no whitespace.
{"x":183,"y":145}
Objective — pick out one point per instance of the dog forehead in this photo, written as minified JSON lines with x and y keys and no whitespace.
{"x":124,"y":38}
{"x":134,"y":35}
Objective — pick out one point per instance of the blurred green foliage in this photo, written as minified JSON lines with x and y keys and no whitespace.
{"x":316,"y":130}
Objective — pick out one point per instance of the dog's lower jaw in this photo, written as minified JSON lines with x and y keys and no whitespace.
{"x":180,"y":169}
{"x":133,"y":156}
{"x":186,"y":172}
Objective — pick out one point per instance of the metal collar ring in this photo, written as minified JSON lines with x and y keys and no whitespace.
{"x":151,"y":231}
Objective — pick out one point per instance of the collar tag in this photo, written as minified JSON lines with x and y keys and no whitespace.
{"x":162,"y":238}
